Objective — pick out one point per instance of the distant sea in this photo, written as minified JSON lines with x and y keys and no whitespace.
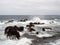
{"x":17,"y":17}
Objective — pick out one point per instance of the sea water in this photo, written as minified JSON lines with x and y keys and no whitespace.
{"x":32,"y":39}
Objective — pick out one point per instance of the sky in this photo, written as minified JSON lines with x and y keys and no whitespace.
{"x":29,"y":7}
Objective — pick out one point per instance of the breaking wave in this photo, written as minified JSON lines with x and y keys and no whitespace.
{"x":25,"y":40}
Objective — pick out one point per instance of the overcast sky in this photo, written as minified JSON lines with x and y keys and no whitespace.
{"x":29,"y":7}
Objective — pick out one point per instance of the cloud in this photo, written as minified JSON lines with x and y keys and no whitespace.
{"x":30,"y":7}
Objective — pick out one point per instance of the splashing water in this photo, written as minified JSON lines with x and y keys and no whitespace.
{"x":25,"y":41}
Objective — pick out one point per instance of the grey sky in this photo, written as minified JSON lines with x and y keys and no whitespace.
{"x":30,"y":7}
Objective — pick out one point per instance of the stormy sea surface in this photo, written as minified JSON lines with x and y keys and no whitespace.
{"x":48,"y":37}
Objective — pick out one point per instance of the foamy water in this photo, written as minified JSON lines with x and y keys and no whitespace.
{"x":25,"y":40}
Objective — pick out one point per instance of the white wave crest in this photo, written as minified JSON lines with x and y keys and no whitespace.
{"x":24,"y":41}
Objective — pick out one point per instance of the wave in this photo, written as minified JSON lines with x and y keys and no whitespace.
{"x":50,"y":23}
{"x":57,"y":42}
{"x":34,"y":19}
{"x":22,"y":41}
{"x":25,"y":40}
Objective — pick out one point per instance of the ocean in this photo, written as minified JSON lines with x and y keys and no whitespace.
{"x":28,"y":39}
{"x":17,"y":17}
